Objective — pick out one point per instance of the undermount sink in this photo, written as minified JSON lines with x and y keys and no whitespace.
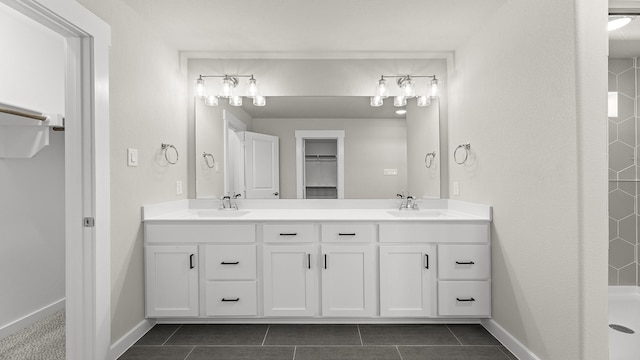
{"x":221,"y":213}
{"x":415,"y":213}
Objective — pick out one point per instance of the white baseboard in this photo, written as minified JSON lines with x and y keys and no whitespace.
{"x":511,"y":343}
{"x":23,"y":322}
{"x":124,"y":343}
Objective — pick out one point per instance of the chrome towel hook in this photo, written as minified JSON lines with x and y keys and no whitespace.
{"x":165,"y":148}
{"x":208,"y":156}
{"x":429,"y":159}
{"x":467,"y":148}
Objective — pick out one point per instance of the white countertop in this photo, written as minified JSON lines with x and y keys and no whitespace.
{"x":337,"y":210}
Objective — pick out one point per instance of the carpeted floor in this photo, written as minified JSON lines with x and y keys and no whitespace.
{"x":43,"y":340}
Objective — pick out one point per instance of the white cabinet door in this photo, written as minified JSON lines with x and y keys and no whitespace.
{"x":289,"y":280}
{"x":348,"y":280}
{"x":262,"y":166}
{"x":407,"y":280}
{"x":171,"y":280}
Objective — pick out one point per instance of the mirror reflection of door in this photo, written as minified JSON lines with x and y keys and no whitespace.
{"x":262,"y":167}
{"x":320,"y":168}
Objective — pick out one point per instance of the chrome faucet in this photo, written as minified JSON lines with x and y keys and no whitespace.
{"x":408,"y":202}
{"x":227,"y":204}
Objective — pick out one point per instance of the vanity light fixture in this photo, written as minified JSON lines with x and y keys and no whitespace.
{"x":227,"y":90}
{"x":408,"y":90}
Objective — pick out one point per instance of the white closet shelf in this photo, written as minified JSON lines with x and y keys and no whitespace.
{"x":24,"y":132}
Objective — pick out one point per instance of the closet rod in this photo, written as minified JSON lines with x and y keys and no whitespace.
{"x":23,"y":114}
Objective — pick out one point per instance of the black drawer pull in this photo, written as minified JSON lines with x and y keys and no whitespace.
{"x":465,"y":262}
{"x":288,"y":234}
{"x":325,"y":261}
{"x":347,"y":234}
{"x":230,"y":263}
{"x":426,"y":257}
{"x":309,"y":261}
{"x":230,"y":300}
{"x":191,"y":266}
{"x":468,"y":299}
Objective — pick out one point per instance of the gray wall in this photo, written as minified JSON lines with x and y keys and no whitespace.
{"x":32,"y":241}
{"x":148,"y":107}
{"x":370,"y":146}
{"x":528,"y":93}
{"x":623,"y":173}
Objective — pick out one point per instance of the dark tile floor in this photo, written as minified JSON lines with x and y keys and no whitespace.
{"x":318,"y":342}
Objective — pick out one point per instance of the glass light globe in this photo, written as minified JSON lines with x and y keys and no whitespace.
{"x":200,"y":89}
{"x":235,"y":100}
{"x":259,"y":100}
{"x":227,"y":88}
{"x":252,"y":88}
{"x":408,"y":88}
{"x":399,"y":101}
{"x":376,"y":101}
{"x":382,"y":90}
{"x":423,"y":100}
{"x":211,"y":100}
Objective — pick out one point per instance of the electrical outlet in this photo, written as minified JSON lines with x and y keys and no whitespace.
{"x":390,"y":172}
{"x":178,"y":187}
{"x":456,"y":188}
{"x":132,"y":157}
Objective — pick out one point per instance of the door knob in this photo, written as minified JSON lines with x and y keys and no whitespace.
{"x":276,"y":193}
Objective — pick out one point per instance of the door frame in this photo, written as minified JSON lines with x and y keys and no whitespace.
{"x":301,"y":136}
{"x":87,"y":173}
{"x":230,"y":123}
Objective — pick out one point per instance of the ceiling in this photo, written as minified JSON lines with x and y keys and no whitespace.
{"x":319,"y":107}
{"x":625,"y":42}
{"x":316,"y":25}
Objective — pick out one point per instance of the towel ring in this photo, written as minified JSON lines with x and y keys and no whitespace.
{"x":166,"y":147}
{"x":429,"y":158}
{"x":208,"y":156}
{"x":467,"y":148}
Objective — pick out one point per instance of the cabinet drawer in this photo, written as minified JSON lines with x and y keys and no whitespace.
{"x":288,"y":232}
{"x":348,"y":232}
{"x":454,"y":232}
{"x":199,"y":232}
{"x":231,"y":298}
{"x":464,"y":298}
{"x":456,"y":262}
{"x":230,"y":262}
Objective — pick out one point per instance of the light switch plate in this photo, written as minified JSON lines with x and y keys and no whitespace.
{"x":132,"y":157}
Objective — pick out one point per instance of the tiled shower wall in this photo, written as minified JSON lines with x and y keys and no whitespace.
{"x":623,"y":175}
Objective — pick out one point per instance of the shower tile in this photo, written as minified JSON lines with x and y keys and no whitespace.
{"x":613,"y":82}
{"x":613,"y":229}
{"x":620,"y":156}
{"x":613,"y":276}
{"x":627,"y":229}
{"x":627,"y":275}
{"x":621,"y":204}
{"x":613,"y":131}
{"x":618,"y":66}
{"x":627,"y":131}
{"x":627,"y":83}
{"x":626,"y":108}
{"x":621,"y":253}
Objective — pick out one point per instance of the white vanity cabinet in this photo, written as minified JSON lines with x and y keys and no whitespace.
{"x":407,"y":281}
{"x":171,"y":277}
{"x":289,"y":274}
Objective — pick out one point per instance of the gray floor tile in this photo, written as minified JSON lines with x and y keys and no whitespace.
{"x":509,"y":354}
{"x":242,"y":353}
{"x":347,"y":353}
{"x":313,"y":335}
{"x":452,"y":353}
{"x":145,"y":352}
{"x":473,"y":334}
{"x":407,"y":335}
{"x":219,"y":335}
{"x":158,"y":334}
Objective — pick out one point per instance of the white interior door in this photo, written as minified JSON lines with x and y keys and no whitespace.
{"x":262,"y":166}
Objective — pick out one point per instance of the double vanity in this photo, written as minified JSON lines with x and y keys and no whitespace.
{"x":317,"y":261}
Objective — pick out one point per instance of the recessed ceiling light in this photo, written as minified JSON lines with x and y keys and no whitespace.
{"x":401,"y":111}
{"x":616,"y":22}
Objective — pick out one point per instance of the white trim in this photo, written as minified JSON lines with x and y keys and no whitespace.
{"x":623,"y":290}
{"x":87,"y":177}
{"x":339,"y":55}
{"x":129,"y":339}
{"x":510,"y":342}
{"x":301,"y":135}
{"x":230,"y":122}
{"x":29,"y":319}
